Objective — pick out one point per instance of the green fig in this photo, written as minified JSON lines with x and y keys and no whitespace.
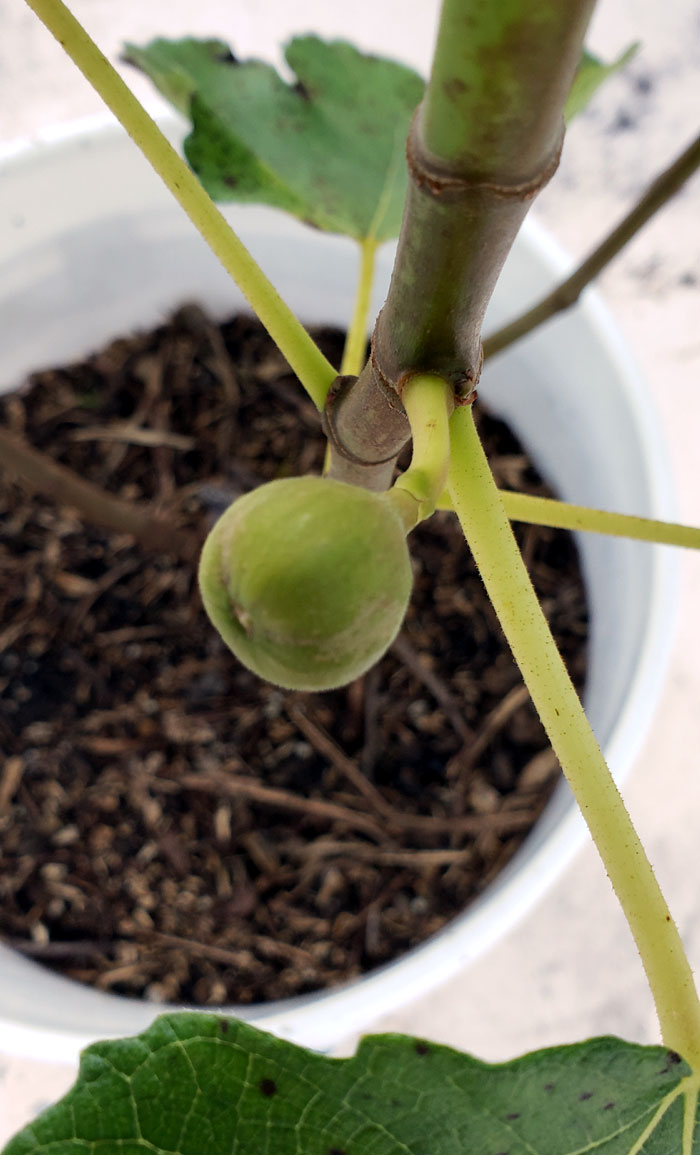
{"x":307,"y":580}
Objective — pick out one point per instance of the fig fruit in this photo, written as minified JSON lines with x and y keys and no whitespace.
{"x":307,"y":580}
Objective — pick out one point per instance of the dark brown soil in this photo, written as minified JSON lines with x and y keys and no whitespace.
{"x":172,"y":828}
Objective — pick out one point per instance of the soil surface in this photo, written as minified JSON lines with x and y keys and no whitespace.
{"x":171,"y":827}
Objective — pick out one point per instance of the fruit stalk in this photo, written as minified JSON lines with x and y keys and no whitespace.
{"x":428,"y":402}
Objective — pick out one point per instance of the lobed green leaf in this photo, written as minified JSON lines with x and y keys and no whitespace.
{"x":328,"y":148}
{"x":194,"y":1084}
{"x":591,"y":73}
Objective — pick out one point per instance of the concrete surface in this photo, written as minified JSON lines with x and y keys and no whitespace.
{"x":570,"y":971}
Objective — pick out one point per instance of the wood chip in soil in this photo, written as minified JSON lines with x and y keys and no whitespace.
{"x":172,"y":828}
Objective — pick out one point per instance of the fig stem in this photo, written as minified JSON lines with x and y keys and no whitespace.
{"x":567,"y":293}
{"x":548,"y":511}
{"x":355,"y":351}
{"x":487,"y":530}
{"x":428,"y":400}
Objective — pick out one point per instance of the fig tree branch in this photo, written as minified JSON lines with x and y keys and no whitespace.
{"x":39,"y":473}
{"x":568,"y":292}
{"x":483,"y":143}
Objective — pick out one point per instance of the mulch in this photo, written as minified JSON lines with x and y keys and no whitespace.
{"x":174,"y":829}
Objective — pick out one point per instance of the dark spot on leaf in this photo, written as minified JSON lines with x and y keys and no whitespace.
{"x":513,"y":1115}
{"x":302,"y":91}
{"x":223,"y":1023}
{"x":223,"y":55}
{"x":230,"y":181}
{"x":422,"y":1048}
{"x":609,"y":1106}
{"x":396,"y":1102}
{"x":672,"y":1060}
{"x":549,"y":1086}
{"x":268,"y":1087}
{"x":585,"y":1095}
{"x":336,"y":1151}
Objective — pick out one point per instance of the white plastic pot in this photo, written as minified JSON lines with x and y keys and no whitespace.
{"x":92,"y":246}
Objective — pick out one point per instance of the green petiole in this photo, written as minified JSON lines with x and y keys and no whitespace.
{"x":485,"y":522}
{"x":356,"y":340}
{"x":563,"y":515}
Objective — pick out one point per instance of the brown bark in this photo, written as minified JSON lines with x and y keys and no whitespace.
{"x":39,"y":473}
{"x":484,"y":142}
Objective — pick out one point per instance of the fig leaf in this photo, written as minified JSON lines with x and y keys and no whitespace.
{"x":590,"y":74}
{"x":328,"y":147}
{"x":196,"y":1083}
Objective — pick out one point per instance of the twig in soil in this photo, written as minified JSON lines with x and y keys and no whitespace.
{"x":466,"y":759}
{"x":220,"y":954}
{"x":274,"y":948}
{"x":432,"y":682}
{"x":415,"y":859}
{"x":541,"y":767}
{"x":324,"y":744}
{"x":236,"y":786}
{"x":132,"y":434}
{"x":372,"y":735}
{"x":371,"y":915}
{"x":260,"y":943}
{"x":193,"y":317}
{"x":120,"y":974}
{"x":80,"y":948}
{"x":501,"y":822}
{"x":38,"y":473}
{"x":113,"y":575}
{"x":10,"y":779}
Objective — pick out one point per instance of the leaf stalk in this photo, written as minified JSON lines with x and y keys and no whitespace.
{"x":526,"y":507}
{"x":480,"y":510}
{"x":354,"y":353}
{"x":568,"y":292}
